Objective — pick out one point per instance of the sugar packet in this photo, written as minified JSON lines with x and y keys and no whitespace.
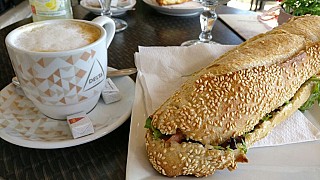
{"x":80,"y":125}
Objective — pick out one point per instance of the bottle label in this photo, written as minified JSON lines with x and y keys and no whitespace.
{"x":48,"y":7}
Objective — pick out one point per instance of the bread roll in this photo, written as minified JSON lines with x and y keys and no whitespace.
{"x":224,"y":103}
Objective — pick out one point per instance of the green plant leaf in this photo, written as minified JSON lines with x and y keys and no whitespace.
{"x":315,"y":96}
{"x":148,"y":123}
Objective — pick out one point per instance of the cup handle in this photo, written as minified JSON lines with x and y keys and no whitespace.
{"x":109,"y":26}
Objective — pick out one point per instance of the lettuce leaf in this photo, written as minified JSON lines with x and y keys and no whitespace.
{"x":267,"y":117}
{"x":156,"y":132}
{"x":315,"y":96}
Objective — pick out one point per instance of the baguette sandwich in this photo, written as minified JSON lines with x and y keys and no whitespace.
{"x":220,"y":111}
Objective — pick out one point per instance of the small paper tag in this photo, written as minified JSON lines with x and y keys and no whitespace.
{"x":110,"y":86}
{"x":110,"y":93}
{"x":80,"y":125}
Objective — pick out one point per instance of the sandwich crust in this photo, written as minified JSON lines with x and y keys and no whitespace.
{"x":229,"y":97}
{"x":189,"y":158}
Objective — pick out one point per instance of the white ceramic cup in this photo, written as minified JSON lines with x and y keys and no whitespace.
{"x":62,"y":82}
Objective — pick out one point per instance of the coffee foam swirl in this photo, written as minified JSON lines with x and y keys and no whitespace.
{"x":57,"y":37}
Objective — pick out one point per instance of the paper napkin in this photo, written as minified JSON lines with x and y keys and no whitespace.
{"x":247,"y":25}
{"x":163,"y":69}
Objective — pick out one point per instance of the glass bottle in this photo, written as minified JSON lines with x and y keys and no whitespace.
{"x":50,"y":9}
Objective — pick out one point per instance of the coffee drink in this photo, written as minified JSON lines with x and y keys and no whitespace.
{"x":57,"y":37}
{"x":62,"y":64}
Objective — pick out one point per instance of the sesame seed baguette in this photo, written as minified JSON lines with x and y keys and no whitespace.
{"x":212,"y":108}
{"x":195,"y":159}
{"x":229,"y":97}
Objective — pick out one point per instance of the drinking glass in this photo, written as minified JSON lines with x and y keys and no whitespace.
{"x":207,"y":20}
{"x":106,"y":11}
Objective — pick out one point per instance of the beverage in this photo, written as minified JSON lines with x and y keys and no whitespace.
{"x":57,"y":37}
{"x":50,"y":9}
{"x":61,"y":64}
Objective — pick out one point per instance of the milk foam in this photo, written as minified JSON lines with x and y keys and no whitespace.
{"x":57,"y":37}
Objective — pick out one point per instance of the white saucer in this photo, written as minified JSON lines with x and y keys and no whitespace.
{"x":185,"y":9}
{"x":115,"y":11}
{"x":22,"y":124}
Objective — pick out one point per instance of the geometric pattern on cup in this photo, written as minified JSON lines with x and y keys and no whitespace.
{"x":63,"y":84}
{"x":20,"y":118}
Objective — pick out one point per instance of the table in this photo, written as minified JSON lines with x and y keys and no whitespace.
{"x":104,"y":158}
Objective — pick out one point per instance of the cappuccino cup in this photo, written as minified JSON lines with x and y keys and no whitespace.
{"x":61,"y":64}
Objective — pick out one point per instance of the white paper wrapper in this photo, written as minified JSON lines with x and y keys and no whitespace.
{"x":110,"y":92}
{"x":80,"y":125}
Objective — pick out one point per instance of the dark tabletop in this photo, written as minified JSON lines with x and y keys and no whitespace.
{"x":106,"y":157}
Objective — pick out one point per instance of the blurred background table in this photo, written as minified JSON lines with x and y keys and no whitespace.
{"x":104,"y":158}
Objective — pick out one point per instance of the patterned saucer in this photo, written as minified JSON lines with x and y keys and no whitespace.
{"x":21,"y":123}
